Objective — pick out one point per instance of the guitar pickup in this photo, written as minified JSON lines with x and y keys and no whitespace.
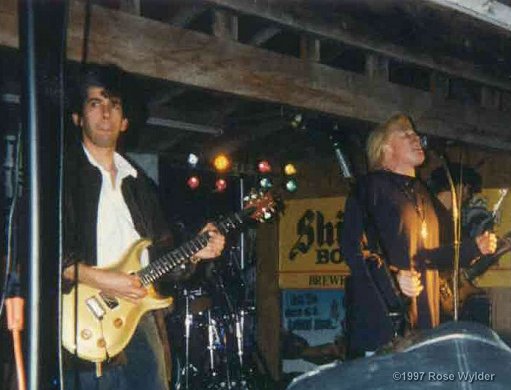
{"x":95,"y":307}
{"x":110,"y":301}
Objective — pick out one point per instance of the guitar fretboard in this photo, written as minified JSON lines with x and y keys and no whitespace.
{"x":180,"y":256}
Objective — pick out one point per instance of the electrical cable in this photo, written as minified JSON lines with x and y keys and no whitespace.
{"x":10,"y":221}
{"x":15,"y":322}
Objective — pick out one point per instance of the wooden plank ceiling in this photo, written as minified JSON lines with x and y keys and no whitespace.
{"x":249,"y":68}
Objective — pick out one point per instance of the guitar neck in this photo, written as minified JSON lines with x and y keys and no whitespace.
{"x":181,"y":256}
{"x":485,"y":262}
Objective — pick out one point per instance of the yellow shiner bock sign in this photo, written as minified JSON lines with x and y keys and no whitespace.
{"x":309,"y":244}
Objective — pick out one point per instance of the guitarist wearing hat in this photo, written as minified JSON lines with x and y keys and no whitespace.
{"x":475,"y":219}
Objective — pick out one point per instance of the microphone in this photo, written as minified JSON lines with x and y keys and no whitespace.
{"x":342,"y":160}
{"x":424,"y":142}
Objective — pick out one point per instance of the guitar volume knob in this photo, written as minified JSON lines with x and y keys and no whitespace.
{"x":86,"y":334}
{"x":118,"y":322}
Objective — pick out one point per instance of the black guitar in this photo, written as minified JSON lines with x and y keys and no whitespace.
{"x":468,"y":275}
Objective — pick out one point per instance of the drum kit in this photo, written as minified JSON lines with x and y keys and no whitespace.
{"x":210,"y":334}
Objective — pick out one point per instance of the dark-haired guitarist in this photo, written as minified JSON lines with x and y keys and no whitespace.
{"x":109,"y":205}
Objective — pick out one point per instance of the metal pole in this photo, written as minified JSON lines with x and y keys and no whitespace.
{"x":42,"y":25}
{"x":27,"y":26}
{"x":242,"y":234}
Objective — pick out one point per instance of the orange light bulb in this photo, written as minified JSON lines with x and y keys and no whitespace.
{"x":221,"y":163}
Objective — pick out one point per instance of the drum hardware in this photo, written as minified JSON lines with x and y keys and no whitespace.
{"x":234,"y":320}
{"x":213,"y":339}
{"x":221,"y":337}
{"x":239,"y":335}
{"x":189,"y":370}
{"x":188,"y":324}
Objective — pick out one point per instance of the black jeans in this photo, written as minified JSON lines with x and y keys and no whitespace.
{"x":144,"y":369}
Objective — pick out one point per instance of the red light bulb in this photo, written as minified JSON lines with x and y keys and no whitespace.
{"x":264,"y":166}
{"x":220,"y":185}
{"x":193,"y":182}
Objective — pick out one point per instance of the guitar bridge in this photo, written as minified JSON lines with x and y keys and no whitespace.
{"x":95,"y":307}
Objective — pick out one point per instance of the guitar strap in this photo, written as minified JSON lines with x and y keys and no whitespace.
{"x":387,"y":291}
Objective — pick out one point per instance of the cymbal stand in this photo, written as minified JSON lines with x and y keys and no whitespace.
{"x":211,"y":344}
{"x":238,"y":315}
{"x":240,"y":322}
{"x":240,"y":319}
{"x":188,"y":325}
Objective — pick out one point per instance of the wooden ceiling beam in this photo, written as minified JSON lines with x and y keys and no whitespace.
{"x":250,"y":135}
{"x":158,"y":50}
{"x":187,"y":14}
{"x":274,"y":11}
{"x":264,"y":35}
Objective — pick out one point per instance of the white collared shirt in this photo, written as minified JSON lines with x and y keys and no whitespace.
{"x":115,"y":230}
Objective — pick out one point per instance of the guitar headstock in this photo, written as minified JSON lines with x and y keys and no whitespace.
{"x":496,"y":207}
{"x":259,"y":205}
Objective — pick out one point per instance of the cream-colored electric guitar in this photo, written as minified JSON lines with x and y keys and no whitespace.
{"x":96,"y":326}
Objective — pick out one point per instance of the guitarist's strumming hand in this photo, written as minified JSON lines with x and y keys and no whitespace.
{"x":410,"y":282}
{"x":486,"y":243}
{"x":122,"y":285}
{"x":118,"y":284}
{"x":215,"y":245}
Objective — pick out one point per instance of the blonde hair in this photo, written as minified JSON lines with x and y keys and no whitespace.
{"x":378,"y":139}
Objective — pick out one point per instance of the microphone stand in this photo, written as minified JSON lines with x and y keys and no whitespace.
{"x":457,"y":235}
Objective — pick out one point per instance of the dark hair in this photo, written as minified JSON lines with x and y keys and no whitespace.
{"x":117,"y":83}
{"x":438,"y":181}
{"x":110,"y":77}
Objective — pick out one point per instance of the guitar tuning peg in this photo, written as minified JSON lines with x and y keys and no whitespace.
{"x":246,"y":198}
{"x":267,"y":215}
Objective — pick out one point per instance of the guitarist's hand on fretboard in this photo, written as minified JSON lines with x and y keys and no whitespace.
{"x":487,"y":243}
{"x":112,"y":283}
{"x":216,"y":243}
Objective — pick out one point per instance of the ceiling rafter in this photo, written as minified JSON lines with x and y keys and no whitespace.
{"x":158,"y":50}
{"x":185,"y":15}
{"x":267,"y":9}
